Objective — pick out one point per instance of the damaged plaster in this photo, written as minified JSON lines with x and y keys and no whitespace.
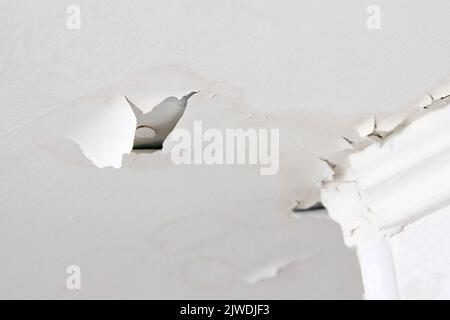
{"x":218,"y":105}
{"x":395,"y":180}
{"x":153,"y":127}
{"x":152,"y":230}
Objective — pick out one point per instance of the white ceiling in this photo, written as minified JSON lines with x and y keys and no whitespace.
{"x":151,"y":230}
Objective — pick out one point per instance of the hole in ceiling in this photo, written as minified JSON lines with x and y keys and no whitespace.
{"x":153,"y":127}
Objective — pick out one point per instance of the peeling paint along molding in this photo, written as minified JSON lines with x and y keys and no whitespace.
{"x":389,"y":184}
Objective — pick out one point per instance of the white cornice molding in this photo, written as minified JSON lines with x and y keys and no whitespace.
{"x":391,"y":179}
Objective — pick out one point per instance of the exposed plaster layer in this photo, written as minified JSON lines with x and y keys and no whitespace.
{"x":153,"y":127}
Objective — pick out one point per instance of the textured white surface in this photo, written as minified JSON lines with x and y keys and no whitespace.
{"x":423,"y":263}
{"x":150,"y":230}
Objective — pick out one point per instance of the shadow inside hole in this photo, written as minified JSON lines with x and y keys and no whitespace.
{"x":152,"y":128}
{"x":147,"y":138}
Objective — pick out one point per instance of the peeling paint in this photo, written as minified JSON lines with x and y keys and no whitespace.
{"x":389,"y":184}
